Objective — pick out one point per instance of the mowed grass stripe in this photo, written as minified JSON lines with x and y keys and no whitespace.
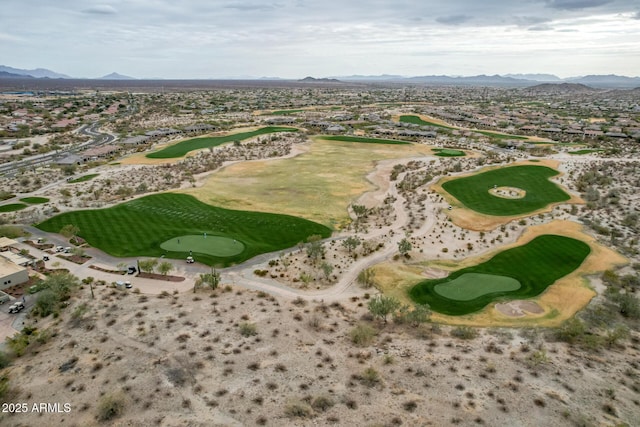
{"x":473,"y":191}
{"x":536,"y":265}
{"x":139,"y":227}
{"x":183,"y":147}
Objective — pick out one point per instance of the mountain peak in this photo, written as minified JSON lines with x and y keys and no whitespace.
{"x":116,"y":76}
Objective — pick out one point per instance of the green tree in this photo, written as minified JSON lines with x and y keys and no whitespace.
{"x":70,"y":231}
{"x":315,"y":251}
{"x":381,"y":306}
{"x":208,"y":279}
{"x":165,"y":267}
{"x":351,"y":243}
{"x":366,"y":277}
{"x":420,"y":314}
{"x":404,"y":246}
{"x":327,"y":269}
{"x":360,"y":211}
{"x":148,"y":265}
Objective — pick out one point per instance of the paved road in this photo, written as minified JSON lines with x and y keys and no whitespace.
{"x":98,"y":139}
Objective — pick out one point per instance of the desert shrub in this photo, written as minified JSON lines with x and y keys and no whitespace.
{"x":298,"y":410}
{"x":370,"y":377}
{"x":571,"y":331}
{"x":111,"y":406}
{"x":362,"y":335}
{"x":4,"y":360}
{"x":322,"y":403}
{"x":4,"y":386}
{"x":464,"y":333}
{"x":248,"y":329}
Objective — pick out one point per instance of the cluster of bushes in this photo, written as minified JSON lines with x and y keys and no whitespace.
{"x":57,"y":289}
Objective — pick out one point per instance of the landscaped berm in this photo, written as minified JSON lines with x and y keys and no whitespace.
{"x":520,"y":272}
{"x":175,"y":225}
{"x":476,"y":191}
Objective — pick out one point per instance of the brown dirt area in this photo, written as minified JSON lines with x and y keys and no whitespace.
{"x":182,"y":360}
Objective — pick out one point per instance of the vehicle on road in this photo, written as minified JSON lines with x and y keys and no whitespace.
{"x":45,"y":258}
{"x":128,"y":285}
{"x":190,"y":260}
{"x":59,"y":248}
{"x":132,"y":270}
{"x":16,"y":307}
{"x":4,"y":298}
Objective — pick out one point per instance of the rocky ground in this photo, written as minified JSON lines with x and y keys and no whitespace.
{"x":236,"y":357}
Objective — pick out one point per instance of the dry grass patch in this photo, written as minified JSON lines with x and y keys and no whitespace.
{"x":318,"y":184}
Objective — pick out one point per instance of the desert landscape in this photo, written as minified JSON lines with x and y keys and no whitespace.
{"x":369,"y":264}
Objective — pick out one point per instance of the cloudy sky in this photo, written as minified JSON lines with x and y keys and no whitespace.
{"x":296,"y":38}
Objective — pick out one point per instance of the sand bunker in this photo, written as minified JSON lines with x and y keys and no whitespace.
{"x":519,"y":308}
{"x":508,"y":192}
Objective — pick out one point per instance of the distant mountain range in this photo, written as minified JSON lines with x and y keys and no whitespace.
{"x":508,"y":80}
{"x":37,"y":73}
{"x":610,"y":81}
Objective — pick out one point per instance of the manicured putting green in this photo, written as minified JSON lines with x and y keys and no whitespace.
{"x":473,"y":285}
{"x":217,"y":246}
{"x":448,"y":152}
{"x":535,"y":266}
{"x":34,"y":200}
{"x":362,"y":139}
{"x":140,"y":226}
{"x":473,"y":191}
{"x":12,"y":207}
{"x":183,"y":147}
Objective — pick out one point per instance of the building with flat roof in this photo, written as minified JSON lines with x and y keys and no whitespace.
{"x":11,"y":274}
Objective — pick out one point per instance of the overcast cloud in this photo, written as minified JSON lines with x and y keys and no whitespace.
{"x":296,"y":38}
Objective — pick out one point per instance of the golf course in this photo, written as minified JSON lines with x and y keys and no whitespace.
{"x":517,"y":273}
{"x":474,"y":191}
{"x":183,"y":147}
{"x":178,"y":225}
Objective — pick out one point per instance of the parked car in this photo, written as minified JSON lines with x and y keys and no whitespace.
{"x":190,"y":260}
{"x":128,"y":285}
{"x":45,"y":258}
{"x":59,"y":248}
{"x":16,"y":307}
{"x":4,"y":298}
{"x":132,"y":270}
{"x":67,"y":250}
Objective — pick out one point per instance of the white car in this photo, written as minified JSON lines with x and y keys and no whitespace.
{"x":190,"y":260}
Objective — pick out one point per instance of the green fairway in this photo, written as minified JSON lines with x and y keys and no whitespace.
{"x":205,"y":244}
{"x":585,"y":151}
{"x":84,"y":178}
{"x":34,"y":200}
{"x":448,"y":152}
{"x":473,"y":191}
{"x":418,"y":121}
{"x":183,"y":147}
{"x":535,"y":265}
{"x":11,"y":207}
{"x":469,"y":286}
{"x":141,"y":226}
{"x":362,"y":139}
